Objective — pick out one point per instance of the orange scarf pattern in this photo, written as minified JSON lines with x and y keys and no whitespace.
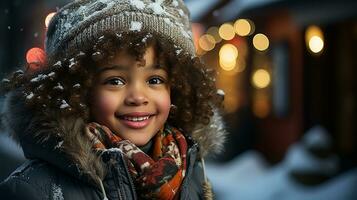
{"x":156,"y":176}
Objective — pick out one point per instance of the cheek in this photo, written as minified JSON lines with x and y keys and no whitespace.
{"x":104,"y":105}
{"x":165,"y":103}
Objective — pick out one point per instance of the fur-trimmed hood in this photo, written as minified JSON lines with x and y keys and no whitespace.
{"x":59,"y":140}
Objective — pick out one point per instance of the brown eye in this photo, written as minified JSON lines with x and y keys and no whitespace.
{"x":115,"y":82}
{"x":156,"y":80}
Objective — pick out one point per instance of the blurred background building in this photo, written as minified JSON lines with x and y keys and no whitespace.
{"x":285,"y":66}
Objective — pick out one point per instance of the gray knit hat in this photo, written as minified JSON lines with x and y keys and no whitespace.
{"x":77,"y":25}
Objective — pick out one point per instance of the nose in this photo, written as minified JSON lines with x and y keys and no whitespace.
{"x":136,"y":96}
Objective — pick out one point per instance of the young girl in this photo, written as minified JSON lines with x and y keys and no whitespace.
{"x":122,"y":109}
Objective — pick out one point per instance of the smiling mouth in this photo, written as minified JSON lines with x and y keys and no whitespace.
{"x":136,"y":120}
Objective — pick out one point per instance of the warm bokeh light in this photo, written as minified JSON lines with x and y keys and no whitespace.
{"x":48,"y":18}
{"x":227,"y":65}
{"x":214,"y":32}
{"x":227,"y":56}
{"x":316,"y":44}
{"x":314,"y":39}
{"x":207,"y":42}
{"x":230,"y":83}
{"x":35,"y":58}
{"x":261,"y":78}
{"x":242,"y":27}
{"x":228,"y":52}
{"x":226,"y":31}
{"x":261,"y":42}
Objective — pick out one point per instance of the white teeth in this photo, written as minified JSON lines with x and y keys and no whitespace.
{"x":136,"y":119}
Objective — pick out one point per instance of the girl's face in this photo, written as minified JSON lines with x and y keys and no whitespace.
{"x":131,"y":98}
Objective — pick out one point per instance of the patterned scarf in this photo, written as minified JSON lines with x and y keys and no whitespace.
{"x":156,"y":176}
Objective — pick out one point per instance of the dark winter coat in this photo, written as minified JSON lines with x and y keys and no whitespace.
{"x":56,"y":171}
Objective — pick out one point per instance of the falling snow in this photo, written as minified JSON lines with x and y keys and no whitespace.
{"x":35,"y":35}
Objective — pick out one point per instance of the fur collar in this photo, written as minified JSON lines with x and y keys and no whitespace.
{"x":59,"y":140}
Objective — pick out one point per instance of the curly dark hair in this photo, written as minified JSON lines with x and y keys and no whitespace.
{"x":65,"y":85}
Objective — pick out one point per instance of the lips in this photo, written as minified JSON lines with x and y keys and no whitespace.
{"x":136,"y":120}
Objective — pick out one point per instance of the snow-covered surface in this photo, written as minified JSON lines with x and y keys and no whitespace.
{"x":77,"y":85}
{"x":30,"y":96}
{"x":298,"y":159}
{"x":157,"y":8}
{"x":138,"y":4}
{"x":317,"y":137}
{"x":64,"y":104}
{"x":38,"y":78}
{"x":136,"y":26}
{"x":238,"y":170}
{"x":58,"y":87}
{"x":114,"y":150}
{"x":248,"y":177}
{"x":59,"y":145}
{"x":220,"y":92}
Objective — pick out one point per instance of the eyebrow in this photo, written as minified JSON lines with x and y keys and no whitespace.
{"x":125,"y":68}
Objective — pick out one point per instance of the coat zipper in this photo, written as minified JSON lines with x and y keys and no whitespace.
{"x":133,"y":189}
{"x":117,"y":182}
{"x":190,"y":167}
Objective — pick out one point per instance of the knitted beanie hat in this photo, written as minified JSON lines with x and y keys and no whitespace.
{"x":77,"y":25}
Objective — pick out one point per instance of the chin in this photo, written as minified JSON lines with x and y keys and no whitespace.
{"x":139,"y":143}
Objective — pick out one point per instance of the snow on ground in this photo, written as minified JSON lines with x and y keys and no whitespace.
{"x":248,"y":177}
{"x":252,"y":181}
